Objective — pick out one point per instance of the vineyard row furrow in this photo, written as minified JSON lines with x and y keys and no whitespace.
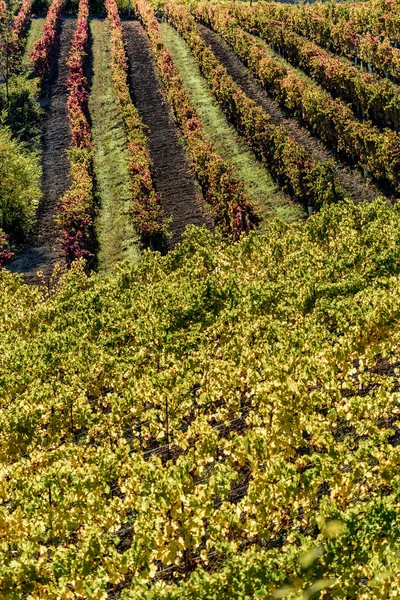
{"x":174,"y":178}
{"x":145,"y":211}
{"x":42,"y":252}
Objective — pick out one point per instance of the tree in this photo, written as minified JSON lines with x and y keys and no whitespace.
{"x":6,"y":32}
{"x":19,"y":187}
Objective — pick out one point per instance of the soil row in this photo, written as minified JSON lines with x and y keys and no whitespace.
{"x":180,"y":196}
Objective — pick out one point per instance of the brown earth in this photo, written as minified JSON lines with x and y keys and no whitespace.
{"x":173,"y":179}
{"x":43,"y":252}
{"x":351,"y":180}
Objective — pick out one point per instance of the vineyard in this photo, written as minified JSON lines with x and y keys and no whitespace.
{"x":200,"y":284}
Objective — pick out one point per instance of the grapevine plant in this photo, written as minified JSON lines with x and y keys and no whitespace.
{"x":43,"y":50}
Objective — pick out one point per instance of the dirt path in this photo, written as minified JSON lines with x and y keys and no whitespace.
{"x":43,"y":252}
{"x":352,"y":181}
{"x":180,"y":196}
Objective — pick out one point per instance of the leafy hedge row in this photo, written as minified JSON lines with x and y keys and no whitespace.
{"x":233,"y":212}
{"x":19,"y":171}
{"x":42,"y":53}
{"x":370,"y":95}
{"x":376,"y":152}
{"x":366,"y":31}
{"x":77,"y":209}
{"x":312,"y":182}
{"x":145,"y":211}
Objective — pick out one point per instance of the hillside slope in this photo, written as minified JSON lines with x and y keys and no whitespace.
{"x":217,"y":423}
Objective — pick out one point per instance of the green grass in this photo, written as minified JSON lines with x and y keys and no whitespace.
{"x":34,"y":34}
{"x":116,"y":236}
{"x":258,"y":182}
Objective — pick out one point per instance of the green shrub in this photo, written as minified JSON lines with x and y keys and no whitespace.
{"x":19,"y":187}
{"x":23,"y":115}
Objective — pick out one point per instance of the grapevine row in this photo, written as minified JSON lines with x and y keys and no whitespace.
{"x":369,"y":95}
{"x":380,"y":17}
{"x":378,"y":153}
{"x":233,"y":212}
{"x":22,"y":19}
{"x":145,"y":210}
{"x":76,"y":210}
{"x":42,"y":54}
{"x":372,"y":41}
{"x":312,"y":182}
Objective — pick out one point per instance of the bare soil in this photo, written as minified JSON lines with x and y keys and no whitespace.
{"x":43,"y":252}
{"x":351,"y":179}
{"x":173,"y":178}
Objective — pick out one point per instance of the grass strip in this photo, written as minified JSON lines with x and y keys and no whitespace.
{"x":259,"y":185}
{"x":35,"y":33}
{"x":116,"y":237}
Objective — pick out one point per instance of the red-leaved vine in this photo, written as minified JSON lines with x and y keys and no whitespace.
{"x":42,"y":53}
{"x":147,"y":216}
{"x":77,"y":209}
